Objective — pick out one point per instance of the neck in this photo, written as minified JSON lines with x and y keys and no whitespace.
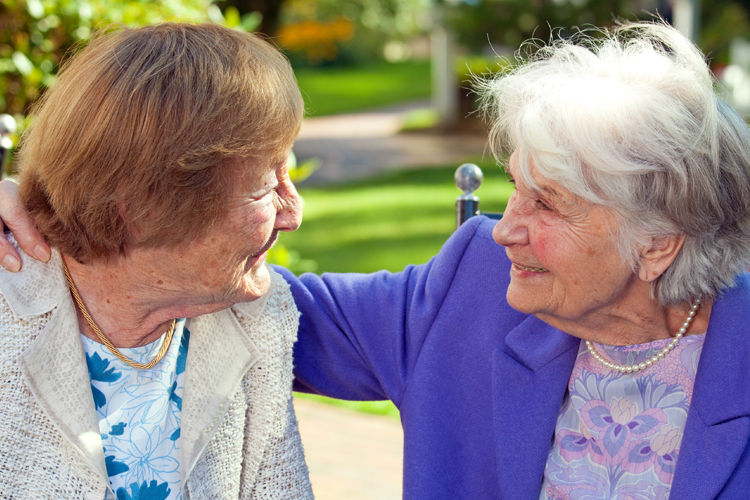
{"x":636,"y":320}
{"x":129,"y":302}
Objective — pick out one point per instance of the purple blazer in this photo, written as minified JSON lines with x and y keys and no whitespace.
{"x":480,"y":385}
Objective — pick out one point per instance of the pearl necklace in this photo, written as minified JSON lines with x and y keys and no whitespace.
{"x":654,"y":359}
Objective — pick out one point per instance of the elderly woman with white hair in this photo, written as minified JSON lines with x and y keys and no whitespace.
{"x":593,"y":343}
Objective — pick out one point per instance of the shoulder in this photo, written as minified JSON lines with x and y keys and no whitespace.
{"x":27,"y":301}
{"x":473,"y":240}
{"x":272,"y":320}
{"x":37,"y":289}
{"x":470,"y":261}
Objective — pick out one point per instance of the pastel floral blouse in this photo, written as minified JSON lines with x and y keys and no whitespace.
{"x":618,"y":436}
{"x":139,"y":416}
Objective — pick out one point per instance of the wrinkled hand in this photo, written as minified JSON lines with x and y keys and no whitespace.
{"x":16,"y":218}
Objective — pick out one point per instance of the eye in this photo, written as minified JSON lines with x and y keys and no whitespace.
{"x":542,"y":205}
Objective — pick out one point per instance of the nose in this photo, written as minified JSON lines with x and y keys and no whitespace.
{"x":512,"y":228}
{"x":289,"y":208}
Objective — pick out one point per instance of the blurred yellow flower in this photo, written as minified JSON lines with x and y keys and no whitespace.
{"x":316,"y":39}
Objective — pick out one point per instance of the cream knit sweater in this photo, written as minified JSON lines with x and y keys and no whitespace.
{"x":239,"y":435}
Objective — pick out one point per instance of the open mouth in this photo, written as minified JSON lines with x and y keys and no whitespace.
{"x":530,"y":269}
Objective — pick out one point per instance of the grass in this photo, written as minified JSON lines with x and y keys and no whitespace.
{"x":329,"y":91}
{"x":388,"y":222}
{"x":382,"y":408}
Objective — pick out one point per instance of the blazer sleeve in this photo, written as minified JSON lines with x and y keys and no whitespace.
{"x":361,"y":334}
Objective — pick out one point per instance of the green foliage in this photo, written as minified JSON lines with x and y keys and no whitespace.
{"x":510,"y":22}
{"x":342,"y":90}
{"x":722,"y":22}
{"x":473,"y":65}
{"x":36,"y":35}
{"x":249,"y":21}
{"x":376,"y":22}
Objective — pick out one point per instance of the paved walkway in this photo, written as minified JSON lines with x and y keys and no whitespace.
{"x":359,"y":145}
{"x":351,"y":455}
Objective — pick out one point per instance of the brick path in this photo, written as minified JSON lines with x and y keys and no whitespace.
{"x":351,"y":455}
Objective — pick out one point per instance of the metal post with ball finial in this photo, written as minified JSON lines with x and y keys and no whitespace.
{"x":468,"y":178}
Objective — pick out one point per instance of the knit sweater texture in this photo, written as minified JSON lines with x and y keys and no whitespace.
{"x":239,"y":436}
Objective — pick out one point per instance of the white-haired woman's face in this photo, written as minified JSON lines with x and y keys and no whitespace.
{"x":565,"y":264}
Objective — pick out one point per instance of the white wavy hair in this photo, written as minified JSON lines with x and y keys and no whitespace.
{"x":628,"y":120}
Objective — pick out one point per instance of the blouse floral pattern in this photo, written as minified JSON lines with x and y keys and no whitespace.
{"x":618,"y":436}
{"x":139,"y":416}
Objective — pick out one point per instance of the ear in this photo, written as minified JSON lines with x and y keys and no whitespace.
{"x":122,"y":210}
{"x":659,"y":256}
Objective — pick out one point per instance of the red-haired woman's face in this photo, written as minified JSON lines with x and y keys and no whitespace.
{"x":227,"y":265}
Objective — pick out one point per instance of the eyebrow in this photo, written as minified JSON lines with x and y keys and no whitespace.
{"x":551,"y":191}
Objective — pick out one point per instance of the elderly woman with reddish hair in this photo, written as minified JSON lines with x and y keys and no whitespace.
{"x":150,"y":357}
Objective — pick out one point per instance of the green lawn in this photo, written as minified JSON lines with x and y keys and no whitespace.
{"x":388,"y":222}
{"x":329,"y":91}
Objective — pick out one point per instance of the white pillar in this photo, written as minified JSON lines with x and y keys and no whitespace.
{"x":444,"y":85}
{"x":686,"y":17}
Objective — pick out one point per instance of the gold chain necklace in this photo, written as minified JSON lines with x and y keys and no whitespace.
{"x":653,"y":359}
{"x":105,"y":340}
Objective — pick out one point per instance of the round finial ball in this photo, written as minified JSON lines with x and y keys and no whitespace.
{"x":7,"y":124}
{"x":468,"y":177}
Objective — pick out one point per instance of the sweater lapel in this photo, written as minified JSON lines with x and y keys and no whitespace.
{"x":54,"y":369}
{"x":54,"y":366}
{"x":219,"y":356}
{"x":717,"y":431}
{"x":530,"y":376}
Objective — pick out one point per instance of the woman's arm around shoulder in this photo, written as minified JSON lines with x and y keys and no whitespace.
{"x":361,"y":334}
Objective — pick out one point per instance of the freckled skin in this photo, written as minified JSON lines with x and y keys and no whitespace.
{"x":229,"y":262}
{"x":151,"y":286}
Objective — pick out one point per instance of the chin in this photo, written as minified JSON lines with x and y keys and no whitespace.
{"x":520,"y":301}
{"x":255,"y":283}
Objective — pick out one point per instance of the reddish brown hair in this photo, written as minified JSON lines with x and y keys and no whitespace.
{"x":144,"y":129}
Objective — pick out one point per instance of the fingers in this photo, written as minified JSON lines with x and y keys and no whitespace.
{"x":15,"y":217}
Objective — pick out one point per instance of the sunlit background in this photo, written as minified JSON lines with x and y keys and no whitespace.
{"x":390,"y":115}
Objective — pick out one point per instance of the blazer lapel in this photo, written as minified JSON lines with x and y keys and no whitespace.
{"x":717,"y":431}
{"x":530,"y":375}
{"x":54,"y":369}
{"x":219,"y":356}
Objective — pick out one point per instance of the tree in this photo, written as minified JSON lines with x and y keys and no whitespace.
{"x":479,"y":23}
{"x":36,"y":35}
{"x":269,"y":12}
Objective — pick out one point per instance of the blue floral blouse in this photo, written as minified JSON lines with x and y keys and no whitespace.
{"x":618,"y":436}
{"x":139,"y":416}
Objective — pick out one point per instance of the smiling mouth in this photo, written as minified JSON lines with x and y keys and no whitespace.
{"x":530,"y":269}
{"x":267,"y":246}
